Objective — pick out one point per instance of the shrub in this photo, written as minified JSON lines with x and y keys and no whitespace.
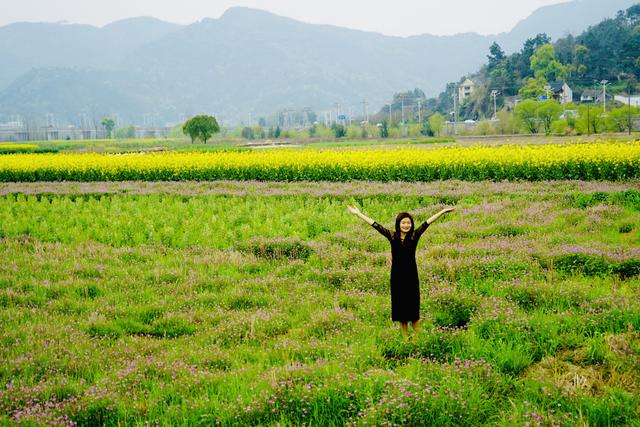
{"x":627,"y":269}
{"x":452,"y":309}
{"x":580,"y":263}
{"x":277,"y":248}
{"x":171,"y":327}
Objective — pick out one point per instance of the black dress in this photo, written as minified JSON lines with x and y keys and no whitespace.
{"x":405,"y":287}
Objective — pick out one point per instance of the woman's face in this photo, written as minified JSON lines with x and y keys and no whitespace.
{"x":405,"y":225}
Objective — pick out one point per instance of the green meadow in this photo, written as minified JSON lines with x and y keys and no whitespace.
{"x":246,"y":303}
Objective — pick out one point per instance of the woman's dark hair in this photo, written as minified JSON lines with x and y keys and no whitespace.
{"x":399,"y":218}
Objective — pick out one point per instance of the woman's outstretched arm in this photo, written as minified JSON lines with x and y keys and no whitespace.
{"x":382,"y":230}
{"x":354,"y":210}
{"x":435,"y":217}
{"x":428,"y":222}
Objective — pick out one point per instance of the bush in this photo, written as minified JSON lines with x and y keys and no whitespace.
{"x":452,"y":309}
{"x":277,"y":248}
{"x":627,"y":269}
{"x":625,"y":228}
{"x":580,"y":263}
{"x":171,"y":327}
{"x":438,"y":344}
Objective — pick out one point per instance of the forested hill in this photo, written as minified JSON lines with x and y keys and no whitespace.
{"x":245,"y":64}
{"x":608,"y":51}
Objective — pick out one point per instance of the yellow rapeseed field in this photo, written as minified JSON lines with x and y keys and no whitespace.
{"x":600,"y":160}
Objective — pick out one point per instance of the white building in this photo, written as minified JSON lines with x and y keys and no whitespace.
{"x":465,"y":90}
{"x":635,"y":100}
{"x":562,"y":92}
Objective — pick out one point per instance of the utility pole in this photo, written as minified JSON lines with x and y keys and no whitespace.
{"x":402,"y":109}
{"x":588,"y":120}
{"x":604,"y":84}
{"x":455,"y":108}
{"x":365,"y":110}
{"x":337,"y":105}
{"x":419,"y":111}
{"x":629,"y":100}
{"x":389,"y":114}
{"x":83,"y":121}
{"x":494,"y":94}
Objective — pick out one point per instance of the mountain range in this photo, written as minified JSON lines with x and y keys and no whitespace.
{"x":247,"y":63}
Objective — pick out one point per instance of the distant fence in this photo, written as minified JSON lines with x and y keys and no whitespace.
{"x":20,"y":135}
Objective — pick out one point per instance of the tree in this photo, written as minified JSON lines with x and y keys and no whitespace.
{"x":436,"y":123}
{"x":544,"y":64}
{"x":201,"y":127}
{"x":384,"y":129}
{"x":477,"y":104}
{"x":534,"y":88}
{"x":504,"y":124}
{"x":277,"y":132}
{"x":618,"y":120}
{"x":526,"y":114}
{"x":565,"y":49}
{"x":522,"y":59}
{"x":580,"y":58}
{"x":484,"y":128}
{"x":590,"y":119}
{"x":128,"y":132}
{"x":548,"y":112}
{"x":339,"y":130}
{"x":108,"y":123}
{"x":425,"y":129}
{"x":496,"y":56}
{"x":502,"y":78}
{"x":258,"y":132}
{"x":247,"y":133}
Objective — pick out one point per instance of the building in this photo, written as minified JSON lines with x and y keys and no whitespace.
{"x":593,"y":96}
{"x":510,"y":102}
{"x":633,"y":99}
{"x":562,"y":92}
{"x":465,"y":90}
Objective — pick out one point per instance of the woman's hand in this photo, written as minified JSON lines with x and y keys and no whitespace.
{"x":354,"y":210}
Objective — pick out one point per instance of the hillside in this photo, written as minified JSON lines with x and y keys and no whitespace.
{"x":247,"y":62}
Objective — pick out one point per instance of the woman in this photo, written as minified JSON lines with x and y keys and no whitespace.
{"x":405,"y":286}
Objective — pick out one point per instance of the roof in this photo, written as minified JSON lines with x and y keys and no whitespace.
{"x":557,"y":86}
{"x":592,"y":93}
{"x":467,"y":82}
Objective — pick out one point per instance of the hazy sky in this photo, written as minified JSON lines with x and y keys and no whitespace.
{"x":395,"y":17}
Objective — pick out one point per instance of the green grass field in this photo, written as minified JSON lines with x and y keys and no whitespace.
{"x":184,"y":144}
{"x":247,"y":303}
{"x":229,"y":143}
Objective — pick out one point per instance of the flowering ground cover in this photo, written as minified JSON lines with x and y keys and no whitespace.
{"x":255,"y":303}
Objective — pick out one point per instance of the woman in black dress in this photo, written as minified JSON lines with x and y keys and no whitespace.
{"x":405,"y":286}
